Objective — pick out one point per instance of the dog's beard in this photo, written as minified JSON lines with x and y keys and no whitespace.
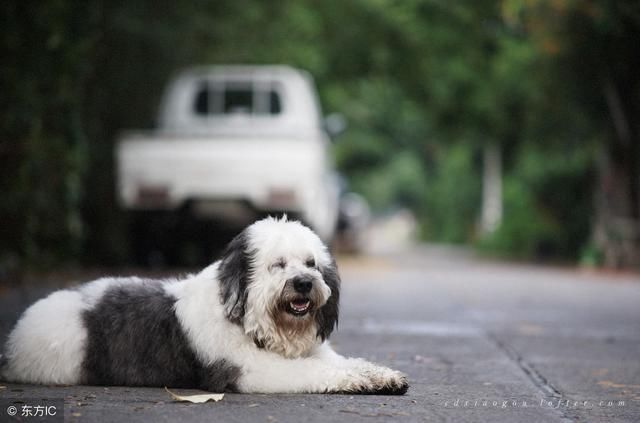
{"x":289,"y":326}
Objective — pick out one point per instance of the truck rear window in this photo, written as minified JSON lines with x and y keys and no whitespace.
{"x":218,"y":99}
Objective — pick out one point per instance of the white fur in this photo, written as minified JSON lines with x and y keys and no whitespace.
{"x":272,"y":239}
{"x":48,"y":343}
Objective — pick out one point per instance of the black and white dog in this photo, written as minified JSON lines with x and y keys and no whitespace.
{"x":257,"y":320}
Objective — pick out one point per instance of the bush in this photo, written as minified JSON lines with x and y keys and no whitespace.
{"x":451,"y":199}
{"x":547,"y":205}
{"x":524,"y":228}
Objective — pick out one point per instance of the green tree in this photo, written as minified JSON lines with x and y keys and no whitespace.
{"x":424,"y":84}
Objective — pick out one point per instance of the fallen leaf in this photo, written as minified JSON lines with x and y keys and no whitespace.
{"x":610,"y":384}
{"x":196,"y":399}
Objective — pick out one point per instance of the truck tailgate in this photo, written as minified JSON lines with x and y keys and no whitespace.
{"x":235,"y":168}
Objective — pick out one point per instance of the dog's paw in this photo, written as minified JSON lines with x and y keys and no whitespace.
{"x":367,"y":378}
{"x":396,"y":384}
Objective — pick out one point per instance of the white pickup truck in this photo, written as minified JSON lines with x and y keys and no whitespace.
{"x":233,"y":143}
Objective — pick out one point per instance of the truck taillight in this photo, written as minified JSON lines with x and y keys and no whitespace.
{"x":282,"y":199}
{"x":153,"y":196}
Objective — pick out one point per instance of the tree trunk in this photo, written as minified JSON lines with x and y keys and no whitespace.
{"x":617,"y":202}
{"x":491,"y":188}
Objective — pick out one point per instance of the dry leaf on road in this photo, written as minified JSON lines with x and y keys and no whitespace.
{"x":196,"y":399}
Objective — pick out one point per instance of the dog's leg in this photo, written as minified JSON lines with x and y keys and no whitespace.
{"x":324,"y":371}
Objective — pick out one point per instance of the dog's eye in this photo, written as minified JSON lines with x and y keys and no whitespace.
{"x":280,"y":264}
{"x":311,"y":262}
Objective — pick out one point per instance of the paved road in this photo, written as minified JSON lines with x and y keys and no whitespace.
{"x":480,"y":341}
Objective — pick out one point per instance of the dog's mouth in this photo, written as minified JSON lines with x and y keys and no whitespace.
{"x":299,"y":306}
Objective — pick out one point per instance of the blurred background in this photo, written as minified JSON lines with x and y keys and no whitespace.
{"x":509,"y":126}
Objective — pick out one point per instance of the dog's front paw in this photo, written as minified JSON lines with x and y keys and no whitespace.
{"x":391,"y":383}
{"x":368,"y":378}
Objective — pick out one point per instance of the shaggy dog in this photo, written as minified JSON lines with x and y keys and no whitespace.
{"x":255,"y":321}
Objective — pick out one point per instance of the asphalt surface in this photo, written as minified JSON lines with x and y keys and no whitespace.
{"x":479,"y":340}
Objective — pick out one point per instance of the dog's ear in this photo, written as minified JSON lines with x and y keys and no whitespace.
{"x":327,"y":315}
{"x":233,"y":276}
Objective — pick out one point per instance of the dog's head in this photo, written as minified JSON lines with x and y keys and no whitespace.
{"x":278,"y":280}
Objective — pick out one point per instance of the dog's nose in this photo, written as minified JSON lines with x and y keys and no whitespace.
{"x":302,"y":284}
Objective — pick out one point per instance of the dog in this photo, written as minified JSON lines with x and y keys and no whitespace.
{"x":255,"y":321}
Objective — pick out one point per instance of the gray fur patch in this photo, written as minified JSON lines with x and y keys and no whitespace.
{"x":135,"y":339}
{"x":327,"y":315}
{"x":234,"y":277}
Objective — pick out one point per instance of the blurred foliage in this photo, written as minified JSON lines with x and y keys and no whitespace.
{"x":424,"y":84}
{"x":547,"y":210}
{"x":451,"y":196}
